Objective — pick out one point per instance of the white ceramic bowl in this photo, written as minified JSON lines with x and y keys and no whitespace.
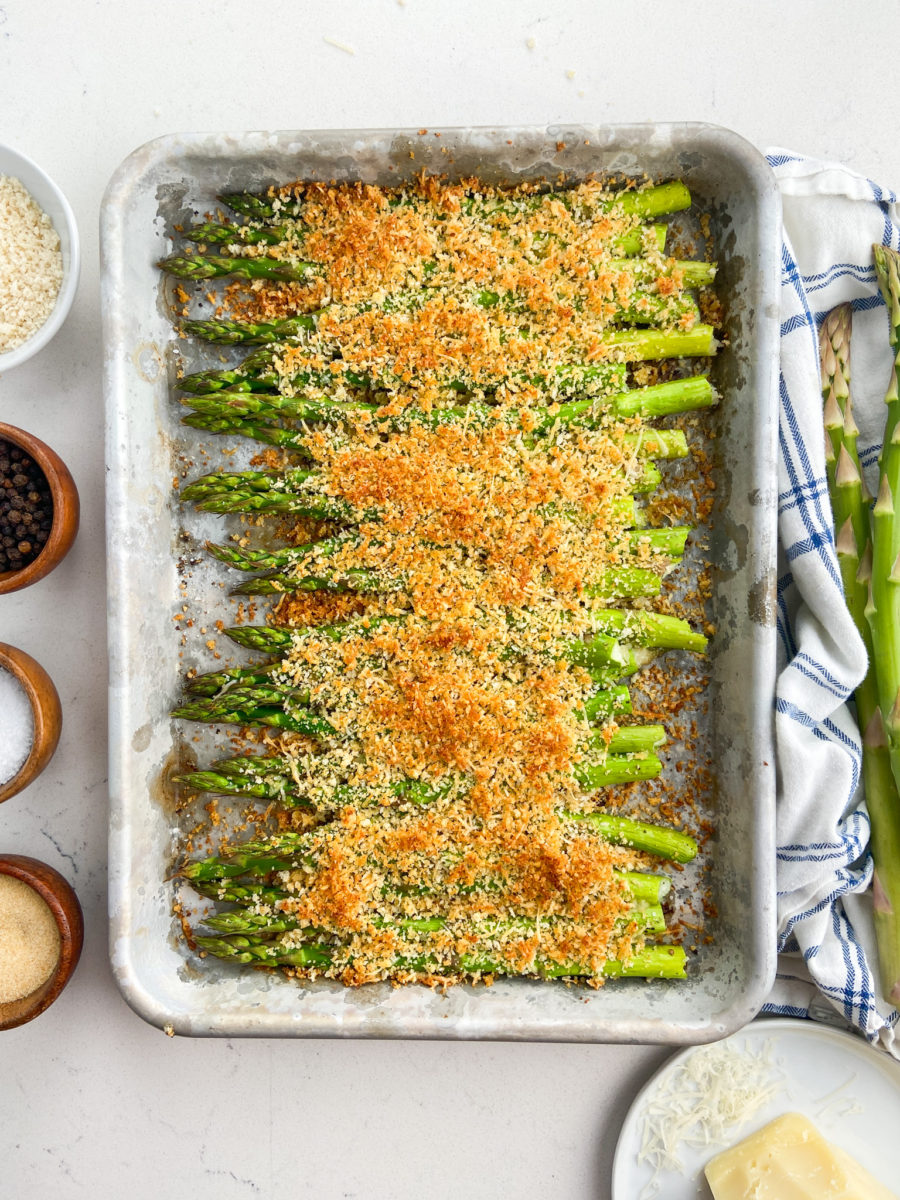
{"x":48,"y":196}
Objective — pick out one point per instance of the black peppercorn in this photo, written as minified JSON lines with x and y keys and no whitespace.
{"x":26,"y":508}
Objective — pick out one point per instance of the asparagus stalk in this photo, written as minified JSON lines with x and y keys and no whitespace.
{"x":617,"y":583}
{"x":669,"y":540}
{"x":634,"y":625}
{"x":648,"y":308}
{"x":250,"y":414}
{"x":223,"y":233}
{"x":258,"y":372}
{"x":646,"y":918}
{"x":884,"y":607}
{"x":655,"y":443}
{"x":283,"y":492}
{"x":651,"y":962}
{"x":214,"y":266}
{"x":287,"y":850}
{"x":655,"y":200}
{"x":627,"y":759}
{"x":643,"y":886}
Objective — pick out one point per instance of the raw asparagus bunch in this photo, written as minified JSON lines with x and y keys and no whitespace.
{"x":850,"y":503}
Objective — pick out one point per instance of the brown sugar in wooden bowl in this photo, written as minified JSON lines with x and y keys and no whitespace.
{"x":46,"y":712}
{"x":60,"y":898}
{"x":66,"y":510}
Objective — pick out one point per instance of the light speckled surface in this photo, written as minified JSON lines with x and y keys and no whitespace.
{"x":96,"y":1102}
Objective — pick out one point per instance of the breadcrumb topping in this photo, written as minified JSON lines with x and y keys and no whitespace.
{"x":437,"y":831}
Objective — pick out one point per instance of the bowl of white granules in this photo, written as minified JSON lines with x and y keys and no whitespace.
{"x":39,"y":258}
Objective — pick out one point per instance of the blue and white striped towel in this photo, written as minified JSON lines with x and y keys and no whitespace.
{"x":826,"y":941}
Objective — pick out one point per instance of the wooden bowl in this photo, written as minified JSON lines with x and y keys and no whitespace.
{"x":66,"y":510}
{"x":63,"y":903}
{"x":46,"y":710}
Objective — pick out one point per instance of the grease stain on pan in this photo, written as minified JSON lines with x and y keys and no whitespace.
{"x":148,"y":361}
{"x":761,"y":600}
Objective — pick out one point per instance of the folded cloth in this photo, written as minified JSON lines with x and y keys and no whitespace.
{"x":826,"y":938}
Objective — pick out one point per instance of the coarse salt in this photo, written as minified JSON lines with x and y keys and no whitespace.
{"x":31,"y":268}
{"x":16,"y":726}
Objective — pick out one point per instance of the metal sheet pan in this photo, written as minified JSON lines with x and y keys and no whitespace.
{"x":149,"y":558}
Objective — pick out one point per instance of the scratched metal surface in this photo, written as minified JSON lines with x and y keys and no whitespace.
{"x":154,"y":567}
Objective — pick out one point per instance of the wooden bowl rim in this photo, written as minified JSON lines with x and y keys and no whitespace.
{"x":47,"y":717}
{"x":66,"y":510}
{"x":62,"y":901}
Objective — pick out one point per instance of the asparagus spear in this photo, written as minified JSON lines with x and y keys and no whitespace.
{"x":652,"y":962}
{"x":884,"y":606}
{"x":288,"y":849}
{"x":638,"y":625}
{"x":247,"y":413}
{"x":655,"y":200}
{"x":617,"y":583}
{"x":643,"y":886}
{"x":669,"y":540}
{"x":224,"y":233}
{"x":283,"y":492}
{"x":258,"y":372}
{"x":213,"y":266}
{"x":641,"y":917}
{"x":649,"y":307}
{"x":854,"y":550}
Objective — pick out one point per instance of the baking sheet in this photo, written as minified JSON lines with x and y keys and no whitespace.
{"x":154,"y":566}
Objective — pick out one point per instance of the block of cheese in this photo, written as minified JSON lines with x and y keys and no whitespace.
{"x":788,"y":1159}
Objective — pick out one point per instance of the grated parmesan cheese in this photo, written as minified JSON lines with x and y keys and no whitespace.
{"x":31,"y":269}
{"x":704,"y":1102}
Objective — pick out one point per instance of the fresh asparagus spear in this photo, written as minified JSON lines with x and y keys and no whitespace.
{"x":884,"y":607}
{"x":854,"y":550}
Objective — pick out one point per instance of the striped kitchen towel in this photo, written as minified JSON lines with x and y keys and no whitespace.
{"x":827,"y":967}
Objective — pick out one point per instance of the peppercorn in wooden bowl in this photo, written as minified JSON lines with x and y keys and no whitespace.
{"x":39,"y":509}
{"x":40,"y":735}
{"x":41,"y":934}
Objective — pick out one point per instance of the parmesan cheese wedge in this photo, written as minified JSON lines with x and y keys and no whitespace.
{"x":788,"y":1159}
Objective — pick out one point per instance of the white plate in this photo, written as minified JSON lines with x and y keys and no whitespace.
{"x":849,"y":1090}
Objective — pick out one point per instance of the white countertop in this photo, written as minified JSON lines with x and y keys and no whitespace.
{"x":93,"y":1102}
